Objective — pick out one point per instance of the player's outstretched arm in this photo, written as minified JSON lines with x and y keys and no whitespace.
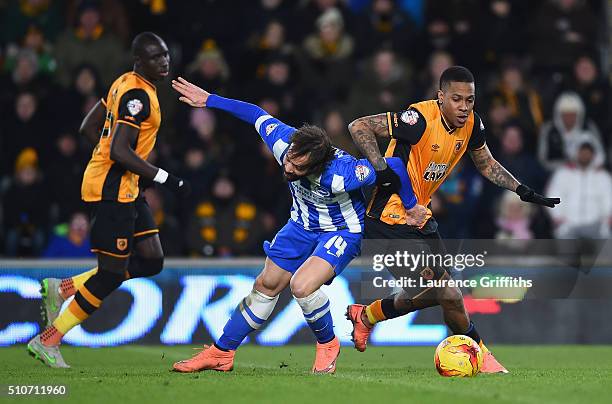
{"x":197,"y":97}
{"x":276,"y":134}
{"x":498,"y":175}
{"x":122,"y":153}
{"x":364,"y":131}
{"x":93,"y":122}
{"x":492,"y":170}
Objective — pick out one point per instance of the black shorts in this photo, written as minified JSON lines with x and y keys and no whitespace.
{"x":115,"y":225}
{"x":382,"y":238}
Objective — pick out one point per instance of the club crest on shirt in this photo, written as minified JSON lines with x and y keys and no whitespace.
{"x":122,"y":244}
{"x":458,"y":144}
{"x":427,"y":274}
{"x":270,"y":128}
{"x":409,"y":117}
{"x":362,"y":172}
{"x":134,"y":106}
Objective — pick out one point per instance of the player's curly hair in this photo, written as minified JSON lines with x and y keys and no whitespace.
{"x":315,"y":142}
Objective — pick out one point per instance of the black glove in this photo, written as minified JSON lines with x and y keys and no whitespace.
{"x":178,"y":185}
{"x":529,"y":195}
{"x":388,"y":180}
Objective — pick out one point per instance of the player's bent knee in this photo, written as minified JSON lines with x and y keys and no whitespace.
{"x":102,"y":283}
{"x":112,"y":280}
{"x":153,"y":266}
{"x":301,"y":288}
{"x":266,"y":285}
{"x":112,"y":264}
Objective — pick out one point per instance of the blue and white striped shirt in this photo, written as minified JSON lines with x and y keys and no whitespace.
{"x":331,"y":201}
{"x":328,"y":202}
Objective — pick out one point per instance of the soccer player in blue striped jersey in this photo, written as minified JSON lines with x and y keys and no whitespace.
{"x":322,"y":236}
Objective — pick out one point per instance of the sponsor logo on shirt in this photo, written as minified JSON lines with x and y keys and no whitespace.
{"x":320,"y":191}
{"x":434,"y":171}
{"x":324,"y":197}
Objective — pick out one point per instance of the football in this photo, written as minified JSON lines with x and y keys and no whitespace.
{"x":458,"y":356}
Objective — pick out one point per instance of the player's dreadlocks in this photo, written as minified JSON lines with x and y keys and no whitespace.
{"x":312,"y":141}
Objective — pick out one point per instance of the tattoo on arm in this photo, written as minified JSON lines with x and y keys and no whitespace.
{"x":492,"y":170}
{"x":364,"y":132}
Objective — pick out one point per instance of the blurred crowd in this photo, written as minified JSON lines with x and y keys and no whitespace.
{"x":543,"y":90}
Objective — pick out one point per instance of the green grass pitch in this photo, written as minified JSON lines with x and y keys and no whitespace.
{"x":139,"y":374}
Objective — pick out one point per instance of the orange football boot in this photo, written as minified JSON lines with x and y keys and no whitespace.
{"x":210,"y":358}
{"x":360,"y":332}
{"x":489,"y":363}
{"x":327,"y":354}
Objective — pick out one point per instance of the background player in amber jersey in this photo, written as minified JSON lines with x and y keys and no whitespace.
{"x":124,"y":128}
{"x":430,"y":137}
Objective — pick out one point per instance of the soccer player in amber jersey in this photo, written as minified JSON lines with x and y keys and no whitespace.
{"x":126,"y":123}
{"x":430,"y":137}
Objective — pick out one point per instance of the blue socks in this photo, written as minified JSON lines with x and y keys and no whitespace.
{"x":250,"y":314}
{"x":316,"y":312}
{"x":255,"y":309}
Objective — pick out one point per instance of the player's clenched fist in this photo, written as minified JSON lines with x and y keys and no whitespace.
{"x":191,"y":94}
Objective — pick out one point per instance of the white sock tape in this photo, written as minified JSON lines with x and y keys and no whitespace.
{"x":256,"y":307}
{"x":311,"y":305}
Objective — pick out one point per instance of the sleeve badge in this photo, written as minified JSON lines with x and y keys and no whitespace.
{"x":134,"y":106}
{"x":362,"y":172}
{"x":410,"y":117}
{"x":270,"y":128}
